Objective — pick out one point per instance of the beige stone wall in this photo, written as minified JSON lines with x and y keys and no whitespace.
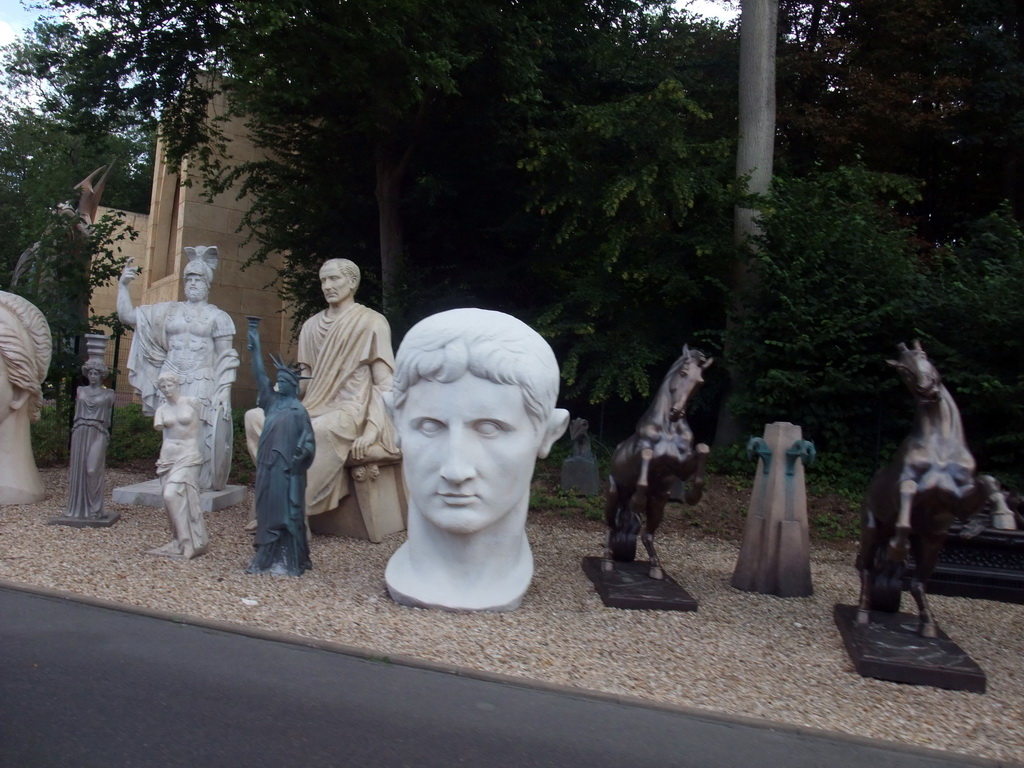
{"x":104,"y":298}
{"x":181,"y":216}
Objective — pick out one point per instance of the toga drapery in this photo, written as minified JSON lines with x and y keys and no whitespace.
{"x":341,"y":397}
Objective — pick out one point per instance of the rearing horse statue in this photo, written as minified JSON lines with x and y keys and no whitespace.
{"x":644,"y":465}
{"x":912,"y":502}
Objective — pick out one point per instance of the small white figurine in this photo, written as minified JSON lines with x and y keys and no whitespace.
{"x":178,"y":467}
{"x":473,"y":403}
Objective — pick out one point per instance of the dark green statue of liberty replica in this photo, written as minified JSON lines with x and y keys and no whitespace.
{"x":285,"y":451}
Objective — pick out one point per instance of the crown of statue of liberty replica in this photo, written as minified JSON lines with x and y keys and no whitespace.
{"x":289,"y":371}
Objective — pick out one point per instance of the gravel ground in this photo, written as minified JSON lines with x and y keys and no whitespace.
{"x":740,"y":653}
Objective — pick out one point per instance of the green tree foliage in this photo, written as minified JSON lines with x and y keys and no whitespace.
{"x":43,"y":154}
{"x":840,"y":280}
{"x":66,"y":267}
{"x":972,"y":324}
{"x":929,"y":89}
{"x":357,"y":86}
{"x":407,"y":122}
{"x":836,"y":283}
{"x":633,"y":183}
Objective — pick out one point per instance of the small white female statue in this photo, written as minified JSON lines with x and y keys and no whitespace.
{"x":90,"y":436}
{"x":25,"y":350}
{"x":178,"y":467}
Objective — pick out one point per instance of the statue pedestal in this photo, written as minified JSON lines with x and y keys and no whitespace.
{"x":580,"y":472}
{"x":989,"y":566}
{"x":775,"y":556}
{"x":376,"y":507}
{"x":628,"y":585}
{"x":890,"y":648}
{"x":148,"y":494}
{"x":86,"y":522}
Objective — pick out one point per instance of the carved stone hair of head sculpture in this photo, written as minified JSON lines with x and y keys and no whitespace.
{"x":347,"y":267}
{"x":26,"y":347}
{"x":489,"y":345}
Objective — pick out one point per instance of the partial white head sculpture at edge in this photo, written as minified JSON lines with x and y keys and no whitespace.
{"x":473,"y":402}
{"x":25,"y":349}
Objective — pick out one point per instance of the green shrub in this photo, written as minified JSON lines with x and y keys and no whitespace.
{"x":132,"y":438}
{"x":835,"y":288}
{"x":51,"y":436}
{"x":133,"y":441}
{"x":973,"y":335}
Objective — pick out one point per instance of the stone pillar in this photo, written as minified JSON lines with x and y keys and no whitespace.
{"x":775,"y":554}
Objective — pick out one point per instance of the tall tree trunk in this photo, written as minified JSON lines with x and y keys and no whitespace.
{"x":391,"y":167}
{"x":756,"y":149}
{"x":754,"y":157}
{"x":1014,"y":184}
{"x":393,"y":156}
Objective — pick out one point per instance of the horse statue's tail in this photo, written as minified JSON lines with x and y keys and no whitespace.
{"x":622,"y":534}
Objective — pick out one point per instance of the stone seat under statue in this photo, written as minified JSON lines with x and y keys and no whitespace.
{"x":376,"y":504}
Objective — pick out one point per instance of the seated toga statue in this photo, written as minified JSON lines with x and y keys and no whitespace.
{"x":346,"y":351}
{"x":192,"y":339}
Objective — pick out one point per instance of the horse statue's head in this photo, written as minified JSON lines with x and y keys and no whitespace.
{"x":684,"y":379}
{"x":917,"y":372}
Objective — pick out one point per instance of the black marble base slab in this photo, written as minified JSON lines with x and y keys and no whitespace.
{"x":86,"y":522}
{"x":628,"y":585}
{"x":890,"y":648}
{"x":988,"y":565}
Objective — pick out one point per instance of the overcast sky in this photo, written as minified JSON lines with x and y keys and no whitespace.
{"x":14,"y":19}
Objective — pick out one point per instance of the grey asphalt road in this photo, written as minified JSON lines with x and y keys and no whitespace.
{"x":83,"y":685}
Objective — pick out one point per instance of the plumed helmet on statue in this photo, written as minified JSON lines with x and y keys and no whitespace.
{"x":202,"y":260}
{"x":26,"y":347}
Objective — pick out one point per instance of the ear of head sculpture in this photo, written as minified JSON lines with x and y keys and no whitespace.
{"x":25,"y":349}
{"x":473,"y":401}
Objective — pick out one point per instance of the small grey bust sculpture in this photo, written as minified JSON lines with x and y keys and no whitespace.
{"x":286,"y":449}
{"x":580,"y":470}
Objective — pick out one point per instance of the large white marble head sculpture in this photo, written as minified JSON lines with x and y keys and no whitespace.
{"x":25,"y":349}
{"x":473,"y":401}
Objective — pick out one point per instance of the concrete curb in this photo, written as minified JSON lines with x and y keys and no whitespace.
{"x":495,"y":677}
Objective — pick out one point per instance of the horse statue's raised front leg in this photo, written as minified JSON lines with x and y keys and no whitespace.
{"x":900,"y":542}
{"x":695,"y":484}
